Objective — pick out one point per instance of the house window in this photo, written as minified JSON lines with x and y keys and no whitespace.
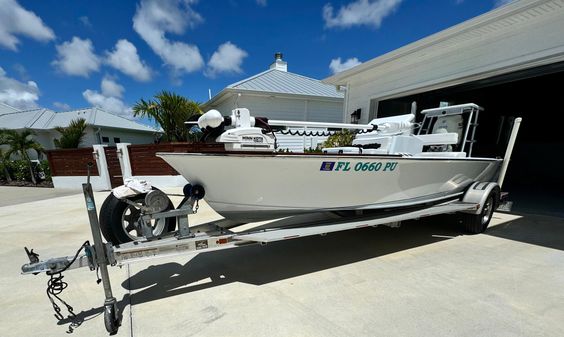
{"x":105,"y":139}
{"x":117,"y":140}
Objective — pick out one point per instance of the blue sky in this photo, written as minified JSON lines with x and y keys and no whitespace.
{"x":63,"y":54}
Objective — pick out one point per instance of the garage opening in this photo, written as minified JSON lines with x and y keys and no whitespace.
{"x":535,"y":179}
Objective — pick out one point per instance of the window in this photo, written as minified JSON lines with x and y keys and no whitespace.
{"x":105,"y":139}
{"x":117,"y":140}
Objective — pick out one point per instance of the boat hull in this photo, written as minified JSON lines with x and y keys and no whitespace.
{"x":259,"y":187}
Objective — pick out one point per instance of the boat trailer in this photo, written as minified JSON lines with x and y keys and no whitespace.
{"x":476,"y":204}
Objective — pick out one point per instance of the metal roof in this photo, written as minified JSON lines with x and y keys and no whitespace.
{"x":5,"y":108}
{"x":273,"y":81}
{"x":45,"y":119}
{"x":277,"y":81}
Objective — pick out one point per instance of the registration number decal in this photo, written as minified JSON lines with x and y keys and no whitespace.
{"x":369,"y":166}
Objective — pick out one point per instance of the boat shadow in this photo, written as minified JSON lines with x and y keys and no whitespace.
{"x":258,"y":265}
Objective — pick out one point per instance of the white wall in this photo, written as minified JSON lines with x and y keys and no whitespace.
{"x":126,"y":136}
{"x":285,"y":108}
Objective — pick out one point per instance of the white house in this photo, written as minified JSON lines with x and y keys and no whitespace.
{"x":103,"y":127}
{"x":279,"y":94}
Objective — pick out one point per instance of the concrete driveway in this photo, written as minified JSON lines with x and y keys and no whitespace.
{"x":423,"y":279}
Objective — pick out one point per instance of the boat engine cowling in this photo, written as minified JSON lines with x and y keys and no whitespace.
{"x":244,"y":136}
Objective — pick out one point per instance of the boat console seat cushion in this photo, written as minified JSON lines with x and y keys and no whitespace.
{"x":446,"y":154}
{"x":439,"y":138}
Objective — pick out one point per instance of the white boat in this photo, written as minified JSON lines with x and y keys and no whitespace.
{"x":393,"y":163}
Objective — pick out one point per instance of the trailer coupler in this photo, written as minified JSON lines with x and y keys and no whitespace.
{"x":57,"y":264}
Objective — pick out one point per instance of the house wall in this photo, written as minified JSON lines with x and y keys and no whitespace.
{"x":125,"y":136}
{"x":274,"y":107}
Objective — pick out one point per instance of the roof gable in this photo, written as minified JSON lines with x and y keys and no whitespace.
{"x":277,"y":81}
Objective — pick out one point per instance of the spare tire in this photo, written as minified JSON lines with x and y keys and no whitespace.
{"x":118,"y":220}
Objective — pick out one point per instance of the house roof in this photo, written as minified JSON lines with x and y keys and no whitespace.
{"x":5,"y":108}
{"x":273,"y":81}
{"x":45,"y":119}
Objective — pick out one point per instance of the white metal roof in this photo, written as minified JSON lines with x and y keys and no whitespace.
{"x":520,"y":35}
{"x":5,"y":108}
{"x":45,"y":119}
{"x":273,"y":81}
{"x":277,"y":81}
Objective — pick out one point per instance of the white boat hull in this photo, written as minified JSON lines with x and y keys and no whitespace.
{"x":257,"y":187}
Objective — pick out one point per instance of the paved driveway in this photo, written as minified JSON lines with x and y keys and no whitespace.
{"x":423,"y":279}
{"x":12,"y":195}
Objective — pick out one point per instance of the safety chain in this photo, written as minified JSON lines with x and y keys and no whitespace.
{"x":56,"y":285}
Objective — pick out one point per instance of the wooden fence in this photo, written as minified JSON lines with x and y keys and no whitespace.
{"x":144,"y":161}
{"x":71,"y":162}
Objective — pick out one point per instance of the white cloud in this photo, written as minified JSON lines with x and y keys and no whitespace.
{"x":77,"y":57}
{"x":154,"y":18}
{"x":109,"y":99}
{"x":499,"y":3}
{"x":18,"y":94}
{"x":85,"y":21}
{"x":337,"y":66}
{"x":125,"y":58}
{"x":261,"y":3}
{"x":359,"y":12}
{"x":16,"y":20}
{"x":227,"y":59}
{"x":111,"y":88}
{"x":61,"y":106}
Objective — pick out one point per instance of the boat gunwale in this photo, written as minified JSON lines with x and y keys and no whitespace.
{"x":322,"y":155}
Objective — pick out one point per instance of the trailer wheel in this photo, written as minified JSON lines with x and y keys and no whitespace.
{"x":118,"y":220}
{"x":478,"y":223}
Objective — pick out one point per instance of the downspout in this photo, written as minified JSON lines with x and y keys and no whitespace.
{"x":97,"y":134}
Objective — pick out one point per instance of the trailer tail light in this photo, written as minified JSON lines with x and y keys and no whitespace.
{"x":222,"y":241}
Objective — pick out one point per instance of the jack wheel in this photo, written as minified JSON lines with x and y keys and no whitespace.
{"x":111,"y":318}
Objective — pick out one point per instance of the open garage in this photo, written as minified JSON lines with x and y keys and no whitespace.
{"x":536,"y":175}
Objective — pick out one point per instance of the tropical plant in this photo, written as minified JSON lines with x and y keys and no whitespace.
{"x":338,"y":139}
{"x":170,"y":111}
{"x":4,"y":161}
{"x":20,"y":143}
{"x":71,"y":136}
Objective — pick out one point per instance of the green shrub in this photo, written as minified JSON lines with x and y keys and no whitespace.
{"x":19,"y":170}
{"x":45,"y":167}
{"x":339,"y":139}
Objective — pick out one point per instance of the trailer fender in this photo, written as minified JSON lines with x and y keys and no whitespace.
{"x":478,"y":192}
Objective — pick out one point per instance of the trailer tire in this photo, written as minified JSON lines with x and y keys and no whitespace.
{"x":478,"y":223}
{"x":114,"y":214}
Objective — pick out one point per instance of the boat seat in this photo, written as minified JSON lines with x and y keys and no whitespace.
{"x":446,"y":154}
{"x":449,"y":138}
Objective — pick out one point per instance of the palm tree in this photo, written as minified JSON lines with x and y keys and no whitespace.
{"x":72,"y":135}
{"x":4,"y":158}
{"x":20,"y":143}
{"x":170,"y":111}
